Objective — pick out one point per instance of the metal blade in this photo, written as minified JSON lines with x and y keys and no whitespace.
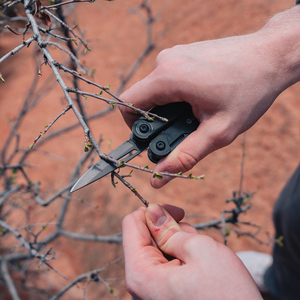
{"x":124,"y":152}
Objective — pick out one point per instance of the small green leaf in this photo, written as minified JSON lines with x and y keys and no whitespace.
{"x":86,"y":149}
{"x":114,"y":184}
{"x":149,"y":118}
{"x":75,"y":42}
{"x":180,"y":173}
{"x":192,"y":177}
{"x":89,"y":145}
{"x":47,"y":126}
{"x":107,"y":87}
{"x":2,"y":79}
{"x":85,"y":97}
{"x":280,"y":241}
{"x":227,"y":232}
{"x":112,"y":105}
{"x":31,"y":146}
{"x":146,"y":167}
{"x":101,"y":92}
{"x":158,"y":176}
{"x":245,"y":200}
{"x":44,"y":227}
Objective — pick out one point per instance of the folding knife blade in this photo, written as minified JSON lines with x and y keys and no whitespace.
{"x":125,"y":152}
{"x":162,"y":136}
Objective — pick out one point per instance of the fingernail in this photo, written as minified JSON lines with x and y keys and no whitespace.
{"x":158,"y":183}
{"x":156,"y":214}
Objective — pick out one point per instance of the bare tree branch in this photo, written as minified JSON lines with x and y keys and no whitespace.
{"x":85,"y":276}
{"x":8,"y":280}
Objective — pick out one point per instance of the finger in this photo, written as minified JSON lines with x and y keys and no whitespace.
{"x":138,"y":240}
{"x":188,"y":228}
{"x":176,"y":212}
{"x":210,"y":136}
{"x":135,"y":231}
{"x":142,"y":257}
{"x":167,"y":233}
{"x":155,"y":89}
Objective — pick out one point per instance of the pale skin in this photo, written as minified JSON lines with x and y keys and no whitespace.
{"x":202,"y":268}
{"x":230,"y":84}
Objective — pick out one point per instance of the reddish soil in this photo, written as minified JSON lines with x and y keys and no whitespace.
{"x":117,"y":36}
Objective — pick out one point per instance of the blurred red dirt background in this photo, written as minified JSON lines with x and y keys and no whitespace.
{"x":117,"y":36}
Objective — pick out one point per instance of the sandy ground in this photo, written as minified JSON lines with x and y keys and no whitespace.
{"x":116,"y":36}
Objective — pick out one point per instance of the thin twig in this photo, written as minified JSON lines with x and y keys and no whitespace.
{"x":242,"y":164}
{"x":50,"y":125}
{"x":23,"y":242}
{"x":130,"y":187}
{"x":55,"y":6}
{"x":82,"y":277}
{"x":8,"y":280}
{"x":114,"y":102}
{"x":68,"y":27}
{"x":112,"y":239}
{"x":18,"y":48}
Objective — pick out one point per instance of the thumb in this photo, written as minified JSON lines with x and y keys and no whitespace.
{"x":166,"y":232}
{"x":210,"y":136}
{"x":153,"y":90}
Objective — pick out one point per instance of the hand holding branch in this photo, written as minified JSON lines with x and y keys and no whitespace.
{"x":200,"y":266}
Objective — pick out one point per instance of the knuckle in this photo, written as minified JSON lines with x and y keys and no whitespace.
{"x":186,"y":160}
{"x":222,"y":136}
{"x":162,"y":241}
{"x":162,"y":56}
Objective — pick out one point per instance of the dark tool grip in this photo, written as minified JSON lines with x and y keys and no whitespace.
{"x":145,"y":130}
{"x":173,"y":135}
{"x":163,"y":136}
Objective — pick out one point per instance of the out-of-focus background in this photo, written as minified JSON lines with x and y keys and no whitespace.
{"x":116,"y":35}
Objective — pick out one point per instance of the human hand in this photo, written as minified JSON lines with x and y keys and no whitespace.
{"x":201,"y":269}
{"x":230,"y":83}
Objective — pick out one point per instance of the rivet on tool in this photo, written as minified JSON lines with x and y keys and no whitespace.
{"x":144,"y":128}
{"x":160,"y":145}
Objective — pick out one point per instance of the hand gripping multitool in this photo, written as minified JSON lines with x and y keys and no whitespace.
{"x":160,"y":137}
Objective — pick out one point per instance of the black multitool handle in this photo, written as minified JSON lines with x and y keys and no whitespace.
{"x":161,"y":136}
{"x":173,"y":135}
{"x":144,"y":130}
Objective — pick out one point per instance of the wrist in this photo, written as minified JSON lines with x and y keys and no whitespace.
{"x":281,"y":40}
